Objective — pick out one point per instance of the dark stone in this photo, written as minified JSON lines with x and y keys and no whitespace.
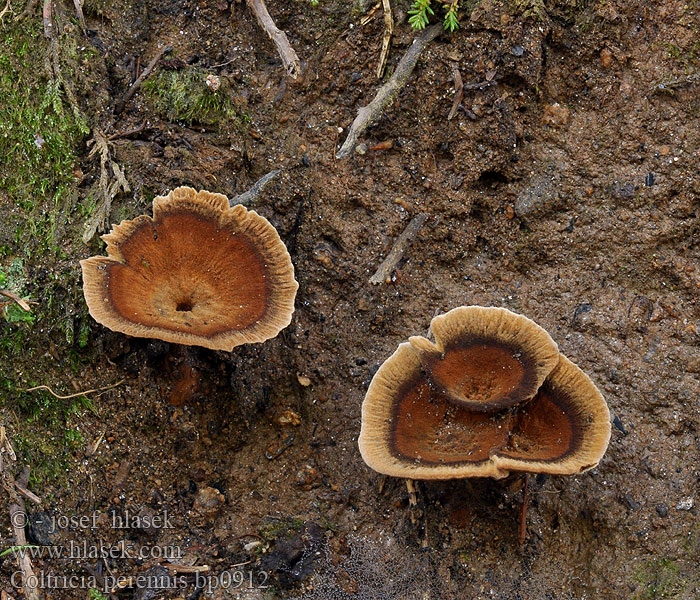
{"x":517,"y":50}
{"x":292,"y":558}
{"x":649,"y":179}
{"x":618,"y":424}
{"x":40,"y":528}
{"x":631,"y":502}
{"x":155,"y":582}
{"x":662,"y":510}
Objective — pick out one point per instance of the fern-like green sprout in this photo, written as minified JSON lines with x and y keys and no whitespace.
{"x":421,"y":10}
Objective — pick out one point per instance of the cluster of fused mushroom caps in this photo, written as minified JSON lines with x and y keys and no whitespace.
{"x":491,"y":395}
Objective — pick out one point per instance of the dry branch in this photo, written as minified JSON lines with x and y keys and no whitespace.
{"x":368,"y":114}
{"x":18,"y":515}
{"x":15,"y":298}
{"x":400,"y":246}
{"x":250,"y":197}
{"x":4,"y":10}
{"x":290,"y":60}
{"x":121,"y":103}
{"x":81,"y":16}
{"x":386,"y":39}
{"x":459,"y":94}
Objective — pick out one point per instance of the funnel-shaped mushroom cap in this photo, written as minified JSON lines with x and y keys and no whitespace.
{"x":412,"y":430}
{"x":486,"y":358}
{"x":564,"y":429}
{"x":197,"y":273}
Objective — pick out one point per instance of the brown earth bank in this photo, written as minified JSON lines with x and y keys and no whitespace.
{"x":564,"y":188}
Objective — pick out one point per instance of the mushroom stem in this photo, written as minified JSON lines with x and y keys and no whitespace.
{"x":522,"y":529}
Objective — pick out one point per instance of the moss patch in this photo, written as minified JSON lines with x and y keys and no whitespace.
{"x":184,"y":96}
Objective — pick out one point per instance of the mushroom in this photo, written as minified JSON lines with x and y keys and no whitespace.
{"x":413,"y":428}
{"x":486,"y":358}
{"x":198,"y":273}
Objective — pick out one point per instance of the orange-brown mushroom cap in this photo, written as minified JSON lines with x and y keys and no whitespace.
{"x":564,"y":429}
{"x":486,"y":358}
{"x":411,"y":429}
{"x":198,"y":273}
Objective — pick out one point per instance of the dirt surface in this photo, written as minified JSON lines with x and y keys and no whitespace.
{"x":565,"y":188}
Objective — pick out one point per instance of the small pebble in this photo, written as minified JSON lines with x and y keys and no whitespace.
{"x":251,"y":546}
{"x":208,"y":500}
{"x":606,"y":58}
{"x":662,"y":510}
{"x":289,"y":417}
{"x":555,"y":115}
{"x":303,"y":380}
{"x":685,"y":504}
{"x":361,"y":149}
{"x":213,"y":82}
{"x":649,"y":179}
{"x":517,"y":50}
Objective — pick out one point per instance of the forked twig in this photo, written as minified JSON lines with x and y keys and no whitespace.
{"x":368,"y":114}
{"x":4,"y":10}
{"x":121,"y":104}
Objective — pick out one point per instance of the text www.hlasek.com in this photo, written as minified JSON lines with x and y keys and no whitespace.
{"x":82,"y":550}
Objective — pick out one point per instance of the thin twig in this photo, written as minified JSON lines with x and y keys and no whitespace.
{"x":290,"y":60}
{"x":128,"y":132}
{"x":46,"y":14}
{"x":18,"y":517}
{"x":386,"y":39}
{"x":16,"y":299}
{"x":121,"y":104}
{"x":370,"y":15}
{"x":81,"y":16}
{"x":402,"y":243}
{"x":223,"y":64}
{"x":4,"y":10}
{"x":28,"y":494}
{"x":522,"y":527}
{"x":28,"y":10}
{"x":55,"y":395}
{"x":186,"y":568}
{"x":368,"y":114}
{"x":251,"y":196}
{"x":459,"y":94}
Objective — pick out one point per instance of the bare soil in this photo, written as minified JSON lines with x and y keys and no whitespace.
{"x":566,"y":190}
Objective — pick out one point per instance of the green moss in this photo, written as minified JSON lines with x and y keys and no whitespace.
{"x":659,"y":578}
{"x":282,"y":527}
{"x":184,"y":96}
{"x":39,"y":134}
{"x":532,"y":9}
